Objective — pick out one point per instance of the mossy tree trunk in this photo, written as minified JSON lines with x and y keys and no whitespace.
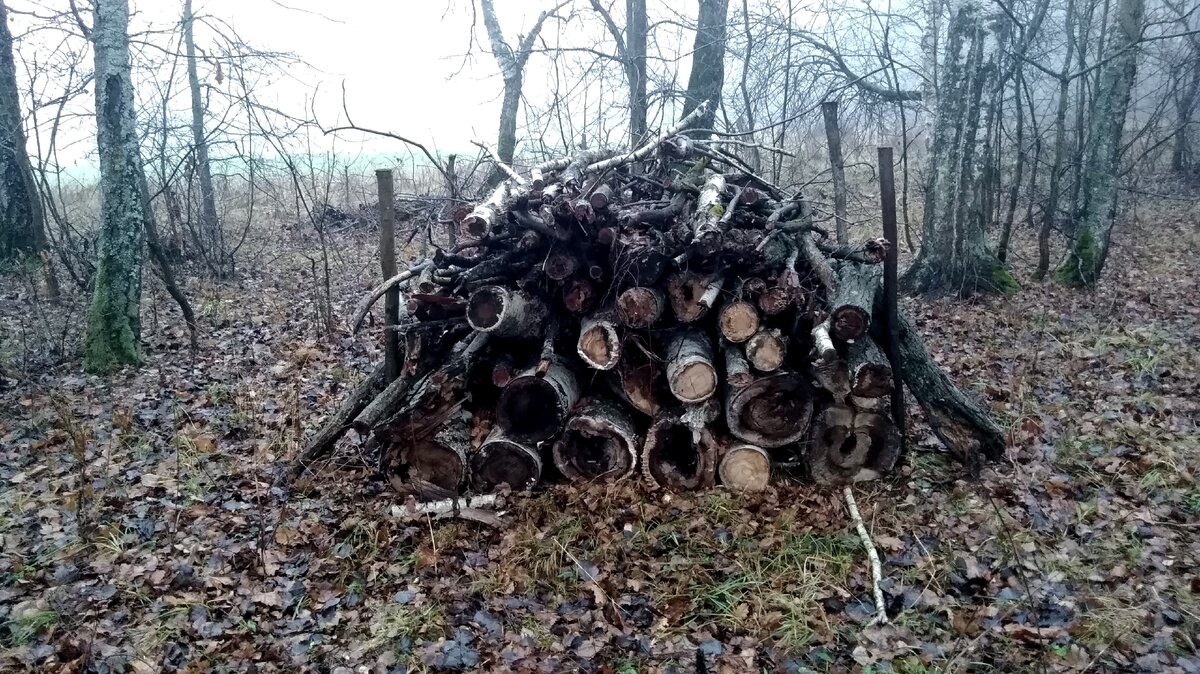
{"x":955,"y":257}
{"x":22,"y":226}
{"x":113,"y":336}
{"x":1089,"y":247}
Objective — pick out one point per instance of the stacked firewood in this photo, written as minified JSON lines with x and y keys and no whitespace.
{"x":662,"y":314}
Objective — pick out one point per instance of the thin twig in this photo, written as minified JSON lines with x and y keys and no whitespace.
{"x":881,"y":617}
{"x":500,"y":162}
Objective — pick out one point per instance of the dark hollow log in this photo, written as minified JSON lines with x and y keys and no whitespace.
{"x":533,"y":408}
{"x":599,"y":345}
{"x":738,"y":321}
{"x":773,"y":411}
{"x":745,"y":468}
{"x":636,"y":378}
{"x":579,"y":296}
{"x":846,"y":446}
{"x":439,"y":460}
{"x":766,"y":350}
{"x":680,"y":452}
{"x":560,"y":264}
{"x":504,"y":460}
{"x":600,"y":443}
{"x":641,"y":306}
{"x":690,"y":372}
{"x":506,"y":313}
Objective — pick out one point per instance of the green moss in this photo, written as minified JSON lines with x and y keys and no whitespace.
{"x":111,"y":339}
{"x":1003,"y":281}
{"x":717,"y":210}
{"x":1082,"y":266}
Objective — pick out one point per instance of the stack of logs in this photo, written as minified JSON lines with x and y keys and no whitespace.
{"x":662,"y":312}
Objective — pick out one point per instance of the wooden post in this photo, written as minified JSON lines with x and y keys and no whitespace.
{"x":452,"y":179}
{"x":387,"y":261}
{"x":891,"y":345}
{"x":833,"y":133}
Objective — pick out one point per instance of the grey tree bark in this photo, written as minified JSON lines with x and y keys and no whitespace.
{"x":113,"y":335}
{"x":1186,"y":92}
{"x":631,"y":52}
{"x":955,"y":257}
{"x":708,"y":61}
{"x":833,"y":134}
{"x":512,"y":71}
{"x":212,"y":242}
{"x":1057,"y":167}
{"x":1089,"y":248}
{"x":22,"y":224}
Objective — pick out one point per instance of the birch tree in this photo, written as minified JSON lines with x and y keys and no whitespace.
{"x":113,"y":336}
{"x":21,"y":222}
{"x":1089,"y":247}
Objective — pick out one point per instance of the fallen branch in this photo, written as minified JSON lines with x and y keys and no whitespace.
{"x":881,"y":617}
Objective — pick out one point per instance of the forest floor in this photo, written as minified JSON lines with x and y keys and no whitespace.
{"x":141,"y":531}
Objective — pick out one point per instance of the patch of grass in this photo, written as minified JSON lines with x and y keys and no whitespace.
{"x":772,"y":591}
{"x":22,"y":630}
{"x":396,"y":623}
{"x":538,"y":557}
{"x":1110,"y":621}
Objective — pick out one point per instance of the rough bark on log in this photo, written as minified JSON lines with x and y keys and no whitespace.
{"x":641,"y":306}
{"x":504,"y":312}
{"x":439,"y":460}
{"x":637,"y":257}
{"x":599,"y":345}
{"x":690,"y":372}
{"x":600,"y":443}
{"x":852,"y":300}
{"x":680,"y":452}
{"x":816,"y":261}
{"x":745,"y":468}
{"x":502,"y":459}
{"x":692,"y":294}
{"x":533,"y":408}
{"x":709,"y":210}
{"x":766,"y":350}
{"x":869,"y":369}
{"x":336,"y":425}
{"x":960,"y":423}
{"x":828,"y":368}
{"x":737,"y":368}
{"x":773,"y":411}
{"x":738,"y":321}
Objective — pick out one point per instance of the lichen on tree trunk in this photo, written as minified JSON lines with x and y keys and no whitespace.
{"x":113,"y":333}
{"x":955,"y":257}
{"x":1089,"y":248}
{"x":21,"y":218}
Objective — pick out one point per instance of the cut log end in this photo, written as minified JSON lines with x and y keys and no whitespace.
{"x":773,"y":411}
{"x":766,"y":350}
{"x":738,"y":321}
{"x":676,"y":457}
{"x":849,"y":323}
{"x":640,"y":307}
{"x":690,"y":372}
{"x":847,"y":447}
{"x":599,"y":344}
{"x":506,"y":313}
{"x":745,"y":468}
{"x":535,"y":404}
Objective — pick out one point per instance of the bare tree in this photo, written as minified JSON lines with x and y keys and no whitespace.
{"x":631,"y":52}
{"x":22,"y":227}
{"x":512,"y":70}
{"x":212,"y":244}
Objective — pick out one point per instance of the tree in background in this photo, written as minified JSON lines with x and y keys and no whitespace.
{"x":1089,"y":248}
{"x":708,"y":61}
{"x":512,"y":70}
{"x":113,"y":333}
{"x":21,"y":222}
{"x":211,"y":234}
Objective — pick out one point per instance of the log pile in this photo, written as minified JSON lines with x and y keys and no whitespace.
{"x":662,"y":314}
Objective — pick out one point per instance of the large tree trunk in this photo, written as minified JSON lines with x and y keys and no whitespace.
{"x":1090,"y":246}
{"x":210,"y":228}
{"x":113,"y":336}
{"x":955,"y":257}
{"x":708,"y":61}
{"x":22,"y":226}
